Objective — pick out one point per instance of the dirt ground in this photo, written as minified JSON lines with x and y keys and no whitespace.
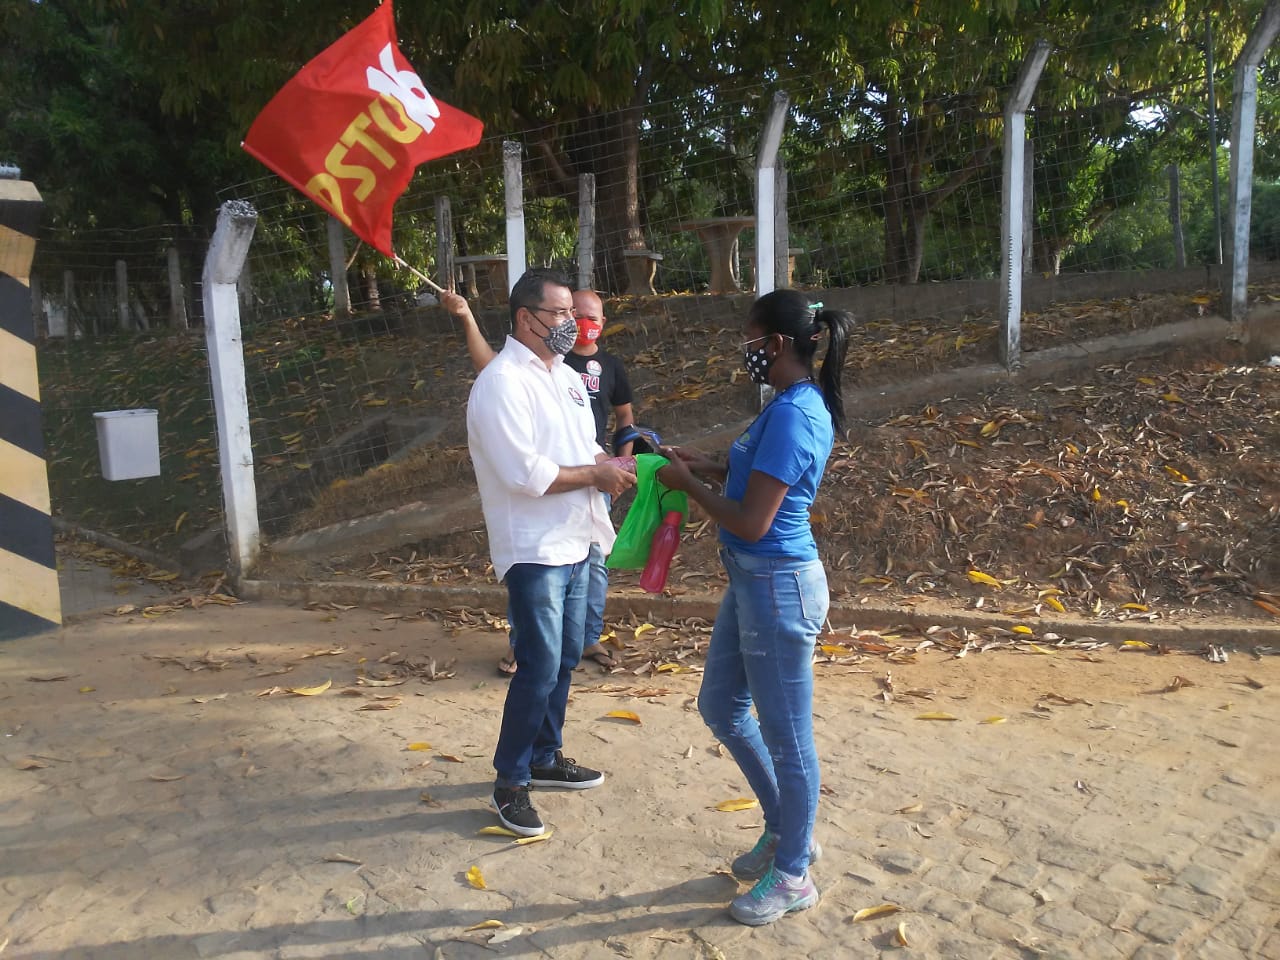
{"x":265,"y":781}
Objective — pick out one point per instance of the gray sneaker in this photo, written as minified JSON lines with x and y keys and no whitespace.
{"x":753,"y":864}
{"x":773,"y":897}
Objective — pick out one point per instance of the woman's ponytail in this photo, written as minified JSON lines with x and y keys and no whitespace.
{"x":839,"y":326}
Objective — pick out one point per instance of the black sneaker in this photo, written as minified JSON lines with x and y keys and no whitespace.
{"x":566,"y":773}
{"x":516,"y":811}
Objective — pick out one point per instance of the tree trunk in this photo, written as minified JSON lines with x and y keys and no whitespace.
{"x":1048,"y":254}
{"x":618,"y":225}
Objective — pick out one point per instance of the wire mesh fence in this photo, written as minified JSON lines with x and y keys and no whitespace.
{"x":892,"y":209}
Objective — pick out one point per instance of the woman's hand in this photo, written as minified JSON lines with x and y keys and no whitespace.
{"x":697,"y":462}
{"x":676,"y":475}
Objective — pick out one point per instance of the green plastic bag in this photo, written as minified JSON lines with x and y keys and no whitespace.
{"x":644,"y":516}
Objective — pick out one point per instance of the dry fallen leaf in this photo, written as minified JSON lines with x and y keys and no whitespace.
{"x":870,"y":913}
{"x":525,"y":841}
{"x":310,"y":691}
{"x":497,"y":832}
{"x":486,"y":925}
{"x":1177,"y":683}
{"x":624,"y":715}
{"x":31,"y":763}
{"x":913,"y":808}
{"x":390,"y":704}
{"x":342,"y":858}
{"x":936,"y":716}
{"x":738,"y":803}
{"x":476,"y":879}
{"x":167,"y":778}
{"x":900,"y":936}
{"x":977,"y":576}
{"x":418,"y":745}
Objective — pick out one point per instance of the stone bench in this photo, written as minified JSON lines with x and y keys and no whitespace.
{"x":642,"y":265}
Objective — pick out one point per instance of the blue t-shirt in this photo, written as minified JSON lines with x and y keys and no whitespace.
{"x":790,"y":441}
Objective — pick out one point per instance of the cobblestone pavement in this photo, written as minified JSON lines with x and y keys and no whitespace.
{"x":155,"y":803}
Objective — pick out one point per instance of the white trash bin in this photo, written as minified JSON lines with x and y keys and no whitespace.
{"x":128,"y":443}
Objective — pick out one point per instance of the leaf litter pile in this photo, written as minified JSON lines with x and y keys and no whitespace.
{"x":1139,"y":492}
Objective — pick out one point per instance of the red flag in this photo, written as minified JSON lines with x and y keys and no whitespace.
{"x":350,"y":128}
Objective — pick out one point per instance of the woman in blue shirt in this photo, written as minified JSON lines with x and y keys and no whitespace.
{"x":762,"y":644}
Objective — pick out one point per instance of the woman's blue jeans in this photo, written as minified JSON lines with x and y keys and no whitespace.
{"x":546,"y":607}
{"x":762,"y":652}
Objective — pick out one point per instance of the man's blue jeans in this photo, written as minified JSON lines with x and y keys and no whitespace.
{"x":597,"y":593}
{"x":546,"y":607}
{"x":761,"y":652}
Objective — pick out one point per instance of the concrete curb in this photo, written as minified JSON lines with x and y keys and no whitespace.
{"x":1180,"y":636}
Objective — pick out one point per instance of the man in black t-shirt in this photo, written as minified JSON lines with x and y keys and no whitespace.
{"x":602,"y":373}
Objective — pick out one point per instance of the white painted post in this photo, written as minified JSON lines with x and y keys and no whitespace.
{"x":338,"y":269}
{"x":513,"y":178}
{"x":177,"y":296}
{"x":587,"y":231}
{"x":444,"y":245}
{"x":222,"y":267}
{"x":122,"y":295}
{"x":1244,"y":115}
{"x":766,"y":199}
{"x":1011,"y":209}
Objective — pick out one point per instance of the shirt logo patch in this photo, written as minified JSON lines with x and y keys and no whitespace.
{"x":594,"y":368}
{"x":577,"y":397}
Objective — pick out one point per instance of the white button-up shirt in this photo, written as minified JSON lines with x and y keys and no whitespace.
{"x":524,"y":422}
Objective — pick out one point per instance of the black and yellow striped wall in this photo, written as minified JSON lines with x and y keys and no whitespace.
{"x":29,"y":599}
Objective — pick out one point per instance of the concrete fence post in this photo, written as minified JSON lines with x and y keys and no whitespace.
{"x":338,"y":268}
{"x":177,"y":295}
{"x":767,"y":241}
{"x":69,"y":301}
{"x":513,"y":179}
{"x":1244,"y":116}
{"x":222,"y":269}
{"x":444,"y":245}
{"x":122,"y":296}
{"x":1175,"y":217}
{"x":1012,"y":190}
{"x":587,"y":231}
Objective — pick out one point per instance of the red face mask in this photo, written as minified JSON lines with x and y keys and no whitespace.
{"x":588,"y":332}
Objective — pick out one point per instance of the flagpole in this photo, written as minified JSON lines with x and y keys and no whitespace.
{"x":420,"y":275}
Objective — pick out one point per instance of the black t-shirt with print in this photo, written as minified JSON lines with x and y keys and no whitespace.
{"x":607,"y":385}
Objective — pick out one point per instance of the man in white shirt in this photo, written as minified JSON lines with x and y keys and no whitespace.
{"x":532,"y":440}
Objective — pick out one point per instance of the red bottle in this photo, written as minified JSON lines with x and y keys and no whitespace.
{"x":661,"y":550}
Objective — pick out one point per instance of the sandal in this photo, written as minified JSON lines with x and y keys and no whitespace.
{"x":597,"y":653}
{"x":507,"y":666}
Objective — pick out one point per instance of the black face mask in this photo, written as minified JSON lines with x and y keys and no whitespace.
{"x":758,"y":364}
